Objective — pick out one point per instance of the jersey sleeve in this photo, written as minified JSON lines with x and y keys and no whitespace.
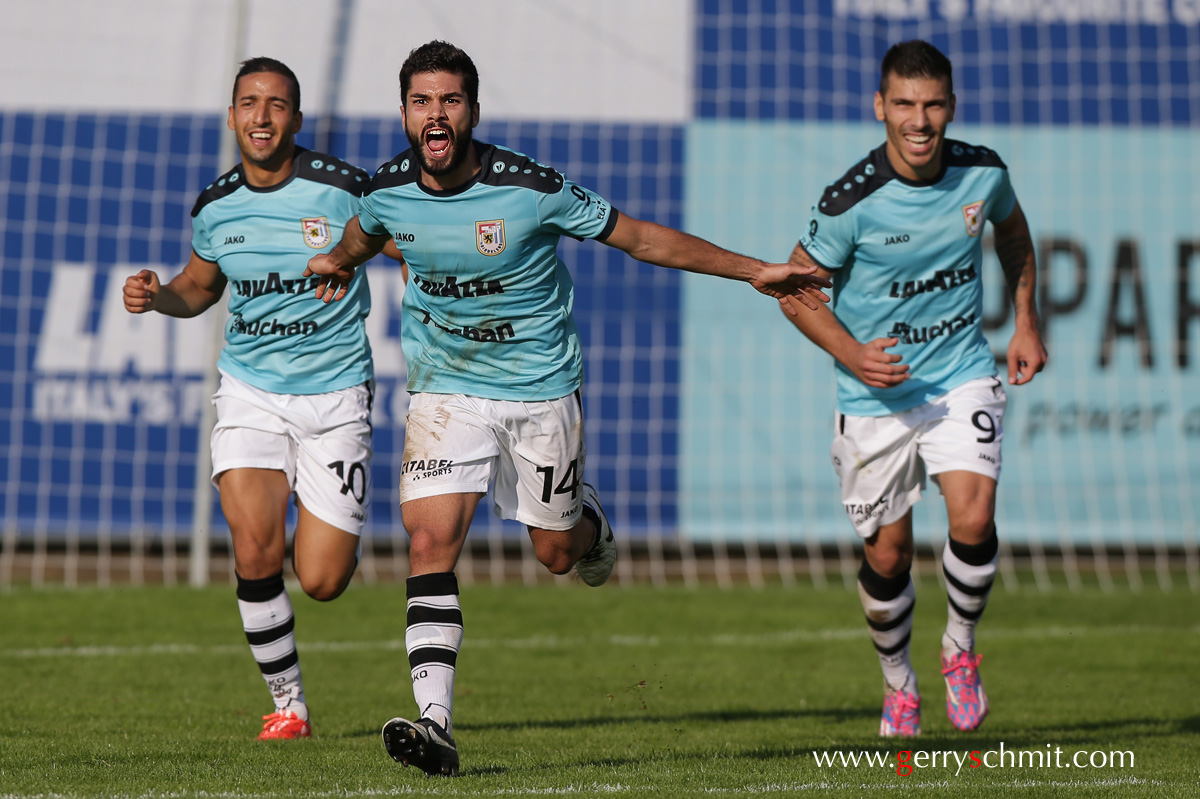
{"x":577,"y":212}
{"x":368,"y":215}
{"x":201,"y":242}
{"x":829,"y":240}
{"x":1004,"y":199}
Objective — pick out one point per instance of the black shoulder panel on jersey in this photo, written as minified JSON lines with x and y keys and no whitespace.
{"x":957,"y":153}
{"x":503,"y":167}
{"x":322,"y":168}
{"x":865,"y":177}
{"x":401,"y":170}
{"x":223,"y":186}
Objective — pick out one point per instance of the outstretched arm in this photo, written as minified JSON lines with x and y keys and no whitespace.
{"x":869,"y":362}
{"x":337,"y":266}
{"x":1026,"y":351}
{"x":673,"y":249}
{"x":194,"y":290}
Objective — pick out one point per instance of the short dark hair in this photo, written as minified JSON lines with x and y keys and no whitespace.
{"x":439,"y":56}
{"x":253,"y":66}
{"x":915,"y":59}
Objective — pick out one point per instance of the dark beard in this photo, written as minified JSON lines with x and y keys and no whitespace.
{"x":437,"y":170}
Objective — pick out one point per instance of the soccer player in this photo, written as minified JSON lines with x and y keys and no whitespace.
{"x":494,"y":359}
{"x":918,"y":391}
{"x":294,"y":403}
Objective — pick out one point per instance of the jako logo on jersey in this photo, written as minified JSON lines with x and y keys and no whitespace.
{"x":489,"y":236}
{"x":316,"y":232}
{"x":404,"y":238}
{"x":973,"y":215}
{"x":901,"y":239}
{"x":235,"y":240}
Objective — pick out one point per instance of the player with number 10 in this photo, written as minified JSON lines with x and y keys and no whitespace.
{"x":294,"y":402}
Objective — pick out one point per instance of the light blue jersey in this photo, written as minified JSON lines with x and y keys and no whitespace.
{"x":487,"y":311}
{"x":280,"y":338}
{"x":906,"y":259}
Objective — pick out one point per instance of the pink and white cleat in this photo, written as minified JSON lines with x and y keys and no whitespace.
{"x":966,"y":701}
{"x":901,"y":715}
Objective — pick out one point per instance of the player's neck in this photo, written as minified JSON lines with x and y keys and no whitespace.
{"x":922,"y":174}
{"x":267,"y":174}
{"x":461,"y":174}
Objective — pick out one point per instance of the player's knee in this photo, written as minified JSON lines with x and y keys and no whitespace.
{"x":553,"y":555}
{"x":256,"y":559}
{"x":558,"y":562}
{"x":973,"y":527}
{"x":325,"y":587}
{"x":431,"y":551}
{"x":893,"y":563}
{"x":891,"y":560}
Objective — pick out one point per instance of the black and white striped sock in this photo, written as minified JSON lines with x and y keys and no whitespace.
{"x":433,"y":637}
{"x":888,"y":603}
{"x":970,"y":570}
{"x":267,"y":619}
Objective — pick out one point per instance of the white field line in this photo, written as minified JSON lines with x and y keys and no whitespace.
{"x":562,"y":642}
{"x":596,"y":788}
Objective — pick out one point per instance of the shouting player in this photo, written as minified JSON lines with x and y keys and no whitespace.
{"x":494,"y":359}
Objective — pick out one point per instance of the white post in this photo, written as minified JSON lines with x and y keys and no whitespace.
{"x":198,"y":565}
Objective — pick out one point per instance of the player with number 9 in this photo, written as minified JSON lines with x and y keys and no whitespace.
{"x":918,"y":392}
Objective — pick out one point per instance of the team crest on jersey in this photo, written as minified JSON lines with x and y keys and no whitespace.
{"x":489,"y":236}
{"x":973,"y":216}
{"x":316,"y":231}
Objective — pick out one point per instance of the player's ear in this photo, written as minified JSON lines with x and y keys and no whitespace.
{"x":229,"y":121}
{"x":879,"y":106}
{"x":475,"y":116}
{"x":952,"y":104}
{"x":297,"y":121}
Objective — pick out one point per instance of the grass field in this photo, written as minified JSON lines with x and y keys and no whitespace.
{"x":152,"y":692}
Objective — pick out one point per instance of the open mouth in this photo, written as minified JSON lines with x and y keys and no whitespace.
{"x":261,"y":137}
{"x":919,"y":142}
{"x":437,"y":141}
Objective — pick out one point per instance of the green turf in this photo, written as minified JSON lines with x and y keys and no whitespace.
{"x":152,"y":692}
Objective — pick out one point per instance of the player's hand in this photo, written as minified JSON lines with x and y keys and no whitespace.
{"x":876,"y":367}
{"x":1026,"y":355}
{"x":335,"y":279}
{"x":141,"y":291}
{"x":792,"y":280}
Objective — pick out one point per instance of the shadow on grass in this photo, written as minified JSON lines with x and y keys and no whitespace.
{"x":830,"y":715}
{"x":826,"y":715}
{"x":1067,"y":738}
{"x":1070,"y":737}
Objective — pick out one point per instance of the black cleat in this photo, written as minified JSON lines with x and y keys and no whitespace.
{"x":422,"y":743}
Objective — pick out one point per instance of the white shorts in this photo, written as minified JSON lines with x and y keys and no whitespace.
{"x":322,"y":442}
{"x":533,"y":451}
{"x":882,"y":461}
